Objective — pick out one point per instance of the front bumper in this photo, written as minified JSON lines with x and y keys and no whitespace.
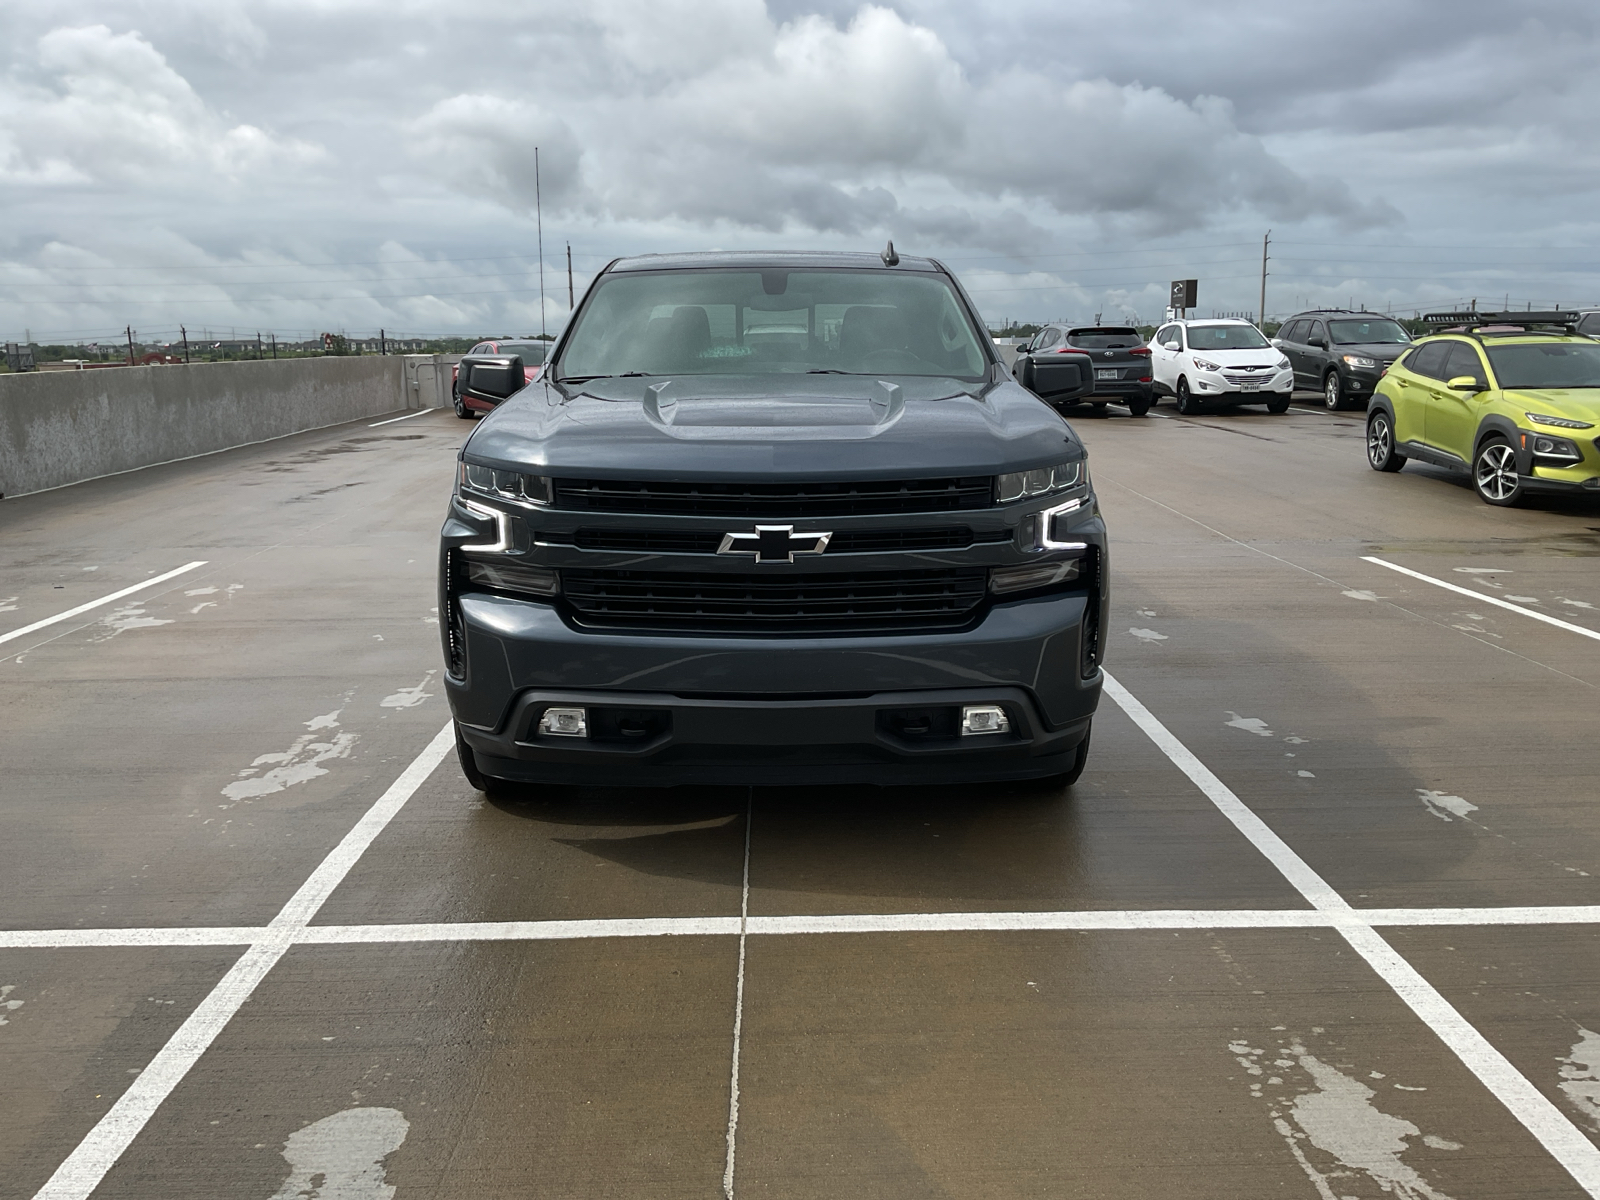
{"x":774,"y":710}
{"x":1215,"y":386}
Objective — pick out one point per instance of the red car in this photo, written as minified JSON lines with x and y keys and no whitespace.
{"x":531,"y":352}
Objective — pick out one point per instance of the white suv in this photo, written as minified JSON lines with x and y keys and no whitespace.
{"x":1220,"y":361}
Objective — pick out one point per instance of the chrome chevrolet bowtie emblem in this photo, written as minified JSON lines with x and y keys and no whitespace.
{"x":774,"y":543}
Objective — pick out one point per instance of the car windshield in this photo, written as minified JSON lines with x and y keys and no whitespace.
{"x":1376,"y":332}
{"x":1547,"y":365}
{"x":772,"y":322}
{"x":1103,"y":339}
{"x":531,"y":352}
{"x":1226,"y":337}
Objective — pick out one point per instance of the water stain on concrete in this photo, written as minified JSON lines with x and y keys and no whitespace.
{"x":1445,"y":806}
{"x":1253,"y":725}
{"x":342,"y":1157}
{"x":1580,"y":1076}
{"x":1331,"y":1115}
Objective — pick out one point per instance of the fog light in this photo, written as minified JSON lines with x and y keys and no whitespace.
{"x":565,"y":722}
{"x":984,"y":718}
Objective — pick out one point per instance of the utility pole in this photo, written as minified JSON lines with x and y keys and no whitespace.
{"x":1266,"y":241}
{"x":274,"y":347}
{"x":383,"y":342}
{"x":129,"y":332}
{"x":538,"y":214}
{"x":185,"y":333}
{"x":259,"y":355}
{"x":569,"y":277}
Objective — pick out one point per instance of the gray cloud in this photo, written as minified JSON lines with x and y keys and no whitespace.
{"x":1068,"y":159}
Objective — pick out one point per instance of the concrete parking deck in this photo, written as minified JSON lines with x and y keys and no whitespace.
{"x":1321,"y":919}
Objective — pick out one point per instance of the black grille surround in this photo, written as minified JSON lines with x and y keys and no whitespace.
{"x":812,"y":603}
{"x":776,"y":501}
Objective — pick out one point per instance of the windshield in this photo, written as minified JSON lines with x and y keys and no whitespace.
{"x":1355,"y":333}
{"x":1104,"y":339}
{"x":1547,"y":365}
{"x":532,"y":352}
{"x":772,"y":322}
{"x":1226,"y":337}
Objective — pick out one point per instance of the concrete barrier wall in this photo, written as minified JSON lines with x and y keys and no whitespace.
{"x":64,"y":427}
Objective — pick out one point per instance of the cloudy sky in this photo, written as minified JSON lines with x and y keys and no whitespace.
{"x":301,"y":165}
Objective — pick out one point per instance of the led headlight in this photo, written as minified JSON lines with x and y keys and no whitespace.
{"x":1022,"y":485}
{"x":522,"y":578}
{"x":1003,"y":580}
{"x":1360,"y":361}
{"x":1558,"y":422}
{"x":1283,"y":362}
{"x":504,"y":485}
{"x":1205,"y":364}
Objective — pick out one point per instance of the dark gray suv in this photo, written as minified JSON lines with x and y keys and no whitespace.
{"x":773,"y":519}
{"x":1341,"y":353}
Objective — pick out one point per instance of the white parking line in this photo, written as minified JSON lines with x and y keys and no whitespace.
{"x":407,"y":417}
{"x":1079,"y":921}
{"x":1455,"y":587}
{"x":1537,"y":1113}
{"x":83,"y":608}
{"x":87,"y":1165}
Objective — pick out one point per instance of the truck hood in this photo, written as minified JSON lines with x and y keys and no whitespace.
{"x":739,"y":427}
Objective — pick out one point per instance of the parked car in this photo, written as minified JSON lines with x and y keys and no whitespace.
{"x":1119,"y":360}
{"x":1219,"y":362}
{"x":1512,"y":398}
{"x":470,"y":403}
{"x":697,"y":551}
{"x":1340,"y":353}
{"x":1589,"y":324}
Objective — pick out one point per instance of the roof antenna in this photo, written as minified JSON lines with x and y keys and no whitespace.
{"x":890,"y":258}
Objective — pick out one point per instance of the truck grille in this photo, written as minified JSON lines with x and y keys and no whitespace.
{"x":869,"y":602}
{"x":762,"y":501}
{"x":852,"y":541}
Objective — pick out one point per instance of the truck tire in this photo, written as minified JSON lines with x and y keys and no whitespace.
{"x":480,"y":782}
{"x":1079,"y":761}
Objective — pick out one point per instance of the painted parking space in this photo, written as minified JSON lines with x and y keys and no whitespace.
{"x":566,"y":992}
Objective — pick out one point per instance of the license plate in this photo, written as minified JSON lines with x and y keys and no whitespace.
{"x":1250,"y":385}
{"x":1107,"y":373}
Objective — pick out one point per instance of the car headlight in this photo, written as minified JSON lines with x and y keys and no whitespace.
{"x":1022,"y":485}
{"x":1547,"y":445}
{"x":1360,"y":361}
{"x":503,"y":485}
{"x":1558,"y":422}
{"x":1206,"y":364}
{"x":523,"y":579}
{"x":1283,"y":363}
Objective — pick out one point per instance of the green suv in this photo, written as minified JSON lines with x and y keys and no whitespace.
{"x":1511,"y":398}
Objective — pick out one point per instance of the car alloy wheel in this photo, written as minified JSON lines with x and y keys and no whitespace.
{"x":1333,"y":391}
{"x":1494,"y":473}
{"x":461,"y":409}
{"x":1187,"y":404}
{"x":1380,"y":444}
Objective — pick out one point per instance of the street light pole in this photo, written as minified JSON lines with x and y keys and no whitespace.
{"x":1265,"y":242}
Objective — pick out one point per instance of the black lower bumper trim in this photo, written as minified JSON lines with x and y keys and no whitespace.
{"x":666,"y":740}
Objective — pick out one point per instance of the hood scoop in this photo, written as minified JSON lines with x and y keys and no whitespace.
{"x":764,"y":419}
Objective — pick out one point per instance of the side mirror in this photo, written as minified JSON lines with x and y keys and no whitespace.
{"x":1467,"y":383}
{"x":1320,"y":343}
{"x":494,"y":378}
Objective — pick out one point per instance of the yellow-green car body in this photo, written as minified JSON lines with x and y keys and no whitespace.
{"x":1514,"y":405}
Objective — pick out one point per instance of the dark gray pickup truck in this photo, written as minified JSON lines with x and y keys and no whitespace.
{"x":772,"y":519}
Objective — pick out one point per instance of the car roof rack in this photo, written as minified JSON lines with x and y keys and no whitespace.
{"x":1508,"y":322}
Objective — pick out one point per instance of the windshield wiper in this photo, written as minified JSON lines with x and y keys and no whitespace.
{"x":831,"y":371}
{"x":592,"y":378}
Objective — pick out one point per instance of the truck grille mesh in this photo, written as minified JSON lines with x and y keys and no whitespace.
{"x":724,"y":603}
{"x":763,"y":501}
